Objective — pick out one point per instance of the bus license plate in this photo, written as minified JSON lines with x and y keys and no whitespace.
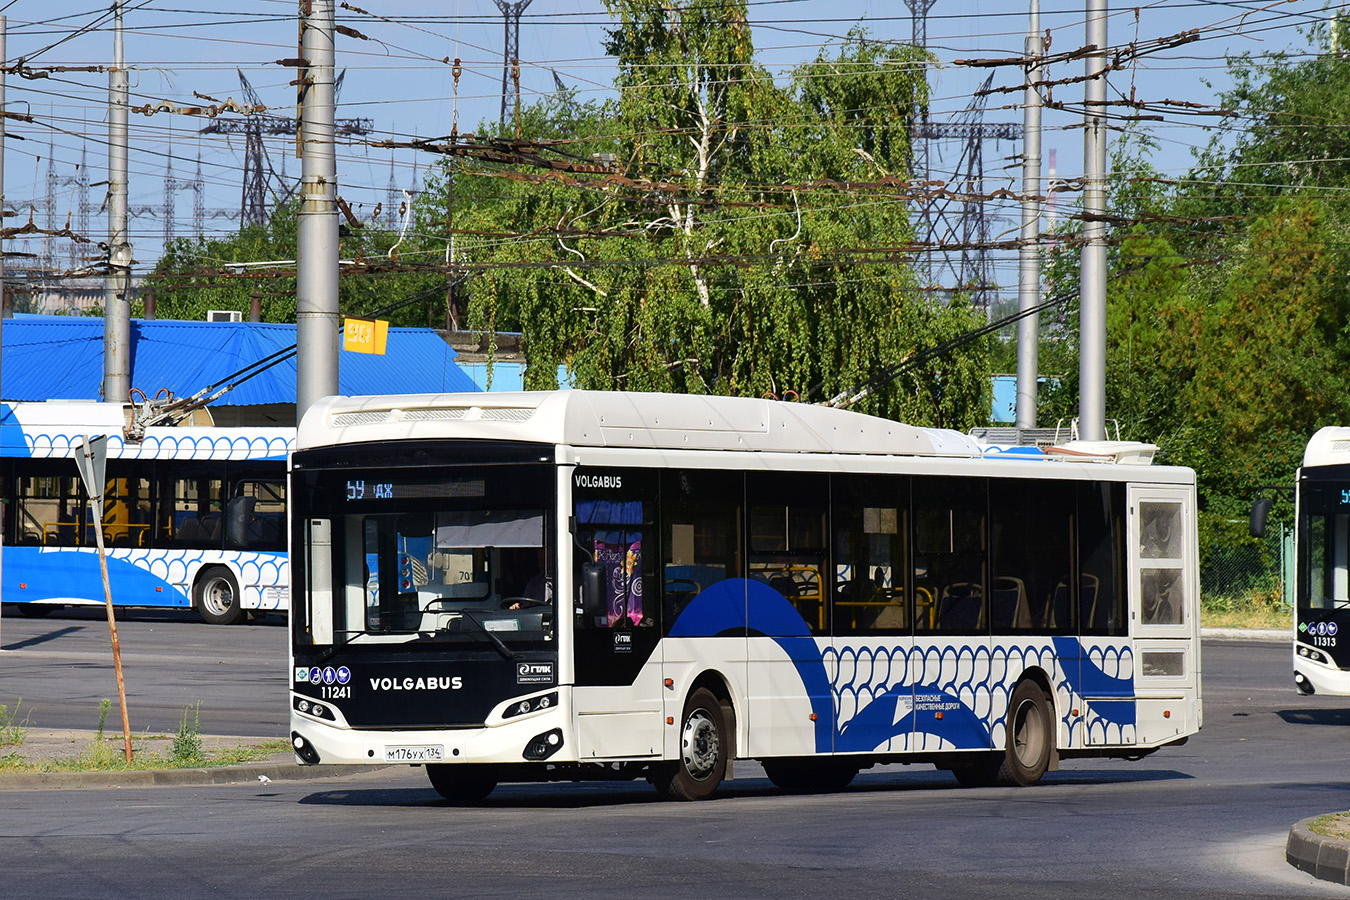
{"x":414,"y":754}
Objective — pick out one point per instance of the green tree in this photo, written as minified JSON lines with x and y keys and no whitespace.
{"x":752,"y":240}
{"x":188,"y":280}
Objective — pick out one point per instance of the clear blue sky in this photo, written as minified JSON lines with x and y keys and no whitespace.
{"x":399,"y":80}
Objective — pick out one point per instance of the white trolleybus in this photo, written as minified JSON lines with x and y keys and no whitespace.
{"x":1322,"y":570}
{"x":577,"y":585}
{"x":165,"y":501}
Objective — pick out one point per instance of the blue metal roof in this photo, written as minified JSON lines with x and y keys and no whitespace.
{"x":61,"y":358}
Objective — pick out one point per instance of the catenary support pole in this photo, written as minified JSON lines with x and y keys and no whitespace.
{"x":1029,"y":254}
{"x":4,"y":30}
{"x":316,"y":329}
{"x":1092,"y":273}
{"x":117,"y":283}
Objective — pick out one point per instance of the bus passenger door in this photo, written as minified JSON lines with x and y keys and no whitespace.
{"x":1164,"y":592}
{"x":618,"y":696}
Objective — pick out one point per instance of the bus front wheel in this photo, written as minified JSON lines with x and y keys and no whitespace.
{"x":216,"y":595}
{"x":704,"y":741}
{"x":461,"y":784}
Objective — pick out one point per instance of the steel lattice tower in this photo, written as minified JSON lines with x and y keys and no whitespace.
{"x":511,"y":10}
{"x":258,"y":171}
{"x":949,"y":221}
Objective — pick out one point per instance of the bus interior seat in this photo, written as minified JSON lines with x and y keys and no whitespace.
{"x":189,"y":529}
{"x":961,"y":606}
{"x":1009,"y":603}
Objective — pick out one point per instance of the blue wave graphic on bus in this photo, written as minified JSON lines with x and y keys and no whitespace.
{"x":747,"y":607}
{"x":73,"y":574}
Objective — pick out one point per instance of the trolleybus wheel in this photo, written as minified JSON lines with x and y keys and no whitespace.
{"x":216,"y":594}
{"x":461,"y":784}
{"x":1031,"y":735}
{"x":36,"y":610}
{"x":704,"y":740}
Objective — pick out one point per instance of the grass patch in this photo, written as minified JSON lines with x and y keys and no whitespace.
{"x":1335,"y":825}
{"x":186,"y":749}
{"x":12,"y":729}
{"x":1251,"y":609}
{"x":102,"y":755}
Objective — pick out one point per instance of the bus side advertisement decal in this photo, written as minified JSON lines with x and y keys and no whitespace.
{"x":930,"y":703}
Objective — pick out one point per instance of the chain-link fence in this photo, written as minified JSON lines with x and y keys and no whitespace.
{"x":1256,"y":573}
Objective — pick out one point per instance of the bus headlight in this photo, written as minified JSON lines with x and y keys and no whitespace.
{"x":534,"y":704}
{"x":311,"y":708}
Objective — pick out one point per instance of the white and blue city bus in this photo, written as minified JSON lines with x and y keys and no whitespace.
{"x":730,"y":579}
{"x":1322,"y":568}
{"x":163,"y":515}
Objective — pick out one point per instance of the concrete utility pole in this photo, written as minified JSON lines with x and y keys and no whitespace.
{"x":1092,"y":270}
{"x":117,"y":286}
{"x":4,"y":29}
{"x":316,"y":287}
{"x":1029,"y":254}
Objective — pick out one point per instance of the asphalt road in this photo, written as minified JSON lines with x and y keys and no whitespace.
{"x":58,"y":668}
{"x":1206,"y":820}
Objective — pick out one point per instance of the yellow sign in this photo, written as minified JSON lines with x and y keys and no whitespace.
{"x":364,"y":335}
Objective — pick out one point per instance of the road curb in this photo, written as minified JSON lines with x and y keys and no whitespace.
{"x":1248,"y":634}
{"x":243,"y":774}
{"x":1323,"y":857}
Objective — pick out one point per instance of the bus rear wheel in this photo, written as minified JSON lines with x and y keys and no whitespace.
{"x":1031,"y":736}
{"x":462,"y":785}
{"x":216,"y":596}
{"x":704,"y":740}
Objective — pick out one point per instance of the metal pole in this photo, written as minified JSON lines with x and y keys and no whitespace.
{"x":117,"y":285}
{"x":112,"y":629}
{"x":1092,"y":273}
{"x":92,"y":467}
{"x":4,"y":28}
{"x":1029,"y":254}
{"x":316,"y":289}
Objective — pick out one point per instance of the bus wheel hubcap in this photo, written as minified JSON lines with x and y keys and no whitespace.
{"x":1029,"y":734}
{"x":218,"y":596}
{"x":700,"y":744}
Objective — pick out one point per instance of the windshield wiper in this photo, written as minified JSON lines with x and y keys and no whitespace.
{"x":498,"y":643}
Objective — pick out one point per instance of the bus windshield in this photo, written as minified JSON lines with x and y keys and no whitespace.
{"x":1324,"y":535}
{"x":435,"y":561}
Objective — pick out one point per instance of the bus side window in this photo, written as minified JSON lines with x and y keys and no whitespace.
{"x":701,"y":516}
{"x":869,"y":518}
{"x":949,"y":548}
{"x":787,"y":546}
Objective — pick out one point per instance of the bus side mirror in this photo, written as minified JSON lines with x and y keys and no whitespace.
{"x":592,"y":590}
{"x":1256,"y":523}
{"x":238,"y":516}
